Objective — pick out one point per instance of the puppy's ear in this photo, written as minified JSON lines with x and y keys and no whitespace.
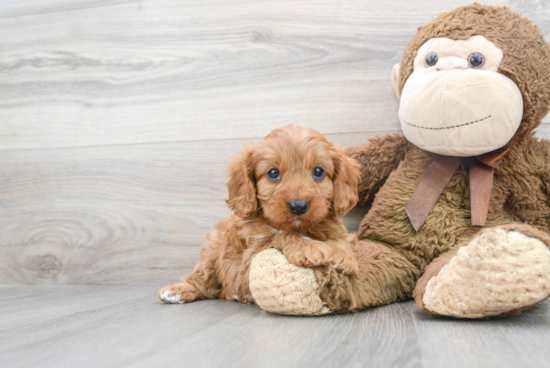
{"x":242,"y":185}
{"x":346,"y":181}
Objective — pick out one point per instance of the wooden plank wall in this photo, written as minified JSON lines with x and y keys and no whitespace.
{"x":117,"y":118}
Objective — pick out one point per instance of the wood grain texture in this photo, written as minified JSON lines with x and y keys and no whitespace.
{"x":99,"y":73}
{"x":125,"y":326}
{"x":119,"y":117}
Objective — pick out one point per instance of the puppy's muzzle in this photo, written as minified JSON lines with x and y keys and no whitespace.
{"x":298,"y":206}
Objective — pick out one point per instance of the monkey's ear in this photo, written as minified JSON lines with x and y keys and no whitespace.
{"x":395,"y":79}
{"x":241,"y":185}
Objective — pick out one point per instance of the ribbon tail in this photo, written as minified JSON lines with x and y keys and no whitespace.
{"x":430,"y":188}
{"x":481,"y":188}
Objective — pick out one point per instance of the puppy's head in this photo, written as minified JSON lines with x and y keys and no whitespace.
{"x":294,"y":177}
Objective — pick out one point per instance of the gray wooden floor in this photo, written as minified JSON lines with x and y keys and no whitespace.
{"x":126,"y":326}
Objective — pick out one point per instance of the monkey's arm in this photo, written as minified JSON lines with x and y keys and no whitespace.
{"x":529,"y":199}
{"x":545,"y":174}
{"x":377,"y":159}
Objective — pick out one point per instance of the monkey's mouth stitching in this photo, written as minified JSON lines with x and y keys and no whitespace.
{"x":449,"y":127}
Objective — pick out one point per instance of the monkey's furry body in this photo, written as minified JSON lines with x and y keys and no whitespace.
{"x":452,"y":267}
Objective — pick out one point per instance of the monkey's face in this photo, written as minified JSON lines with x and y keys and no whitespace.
{"x":455,"y":102}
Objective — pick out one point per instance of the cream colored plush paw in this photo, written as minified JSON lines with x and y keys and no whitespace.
{"x":498,"y":272}
{"x":280,"y":287}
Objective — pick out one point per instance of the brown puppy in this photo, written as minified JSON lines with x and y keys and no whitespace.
{"x":288,"y":192}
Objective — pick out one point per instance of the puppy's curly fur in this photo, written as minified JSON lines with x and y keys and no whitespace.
{"x":263,"y":219}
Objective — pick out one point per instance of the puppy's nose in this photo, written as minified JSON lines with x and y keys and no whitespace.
{"x":298,"y":206}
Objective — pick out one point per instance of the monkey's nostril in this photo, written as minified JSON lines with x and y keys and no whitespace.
{"x":298,"y":206}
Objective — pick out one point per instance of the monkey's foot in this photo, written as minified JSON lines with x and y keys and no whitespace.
{"x":501,"y":271}
{"x":280,"y":287}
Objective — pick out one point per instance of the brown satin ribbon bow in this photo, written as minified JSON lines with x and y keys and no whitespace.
{"x":439,"y":175}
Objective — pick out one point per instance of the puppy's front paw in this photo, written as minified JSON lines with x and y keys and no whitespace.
{"x":311,"y":255}
{"x":345,"y":263}
{"x":178,"y":293}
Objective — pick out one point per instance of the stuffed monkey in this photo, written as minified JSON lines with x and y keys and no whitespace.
{"x":459,"y":207}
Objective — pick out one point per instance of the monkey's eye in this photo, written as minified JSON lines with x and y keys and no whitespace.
{"x":273,"y":174}
{"x":318,"y":173}
{"x":476,"y":60}
{"x":431,"y":59}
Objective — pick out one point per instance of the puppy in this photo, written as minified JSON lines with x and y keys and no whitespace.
{"x":287,"y":192}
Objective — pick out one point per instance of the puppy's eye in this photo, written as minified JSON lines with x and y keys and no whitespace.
{"x":318,"y":173}
{"x":273,"y":174}
{"x":431,"y":59}
{"x":476,"y":60}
